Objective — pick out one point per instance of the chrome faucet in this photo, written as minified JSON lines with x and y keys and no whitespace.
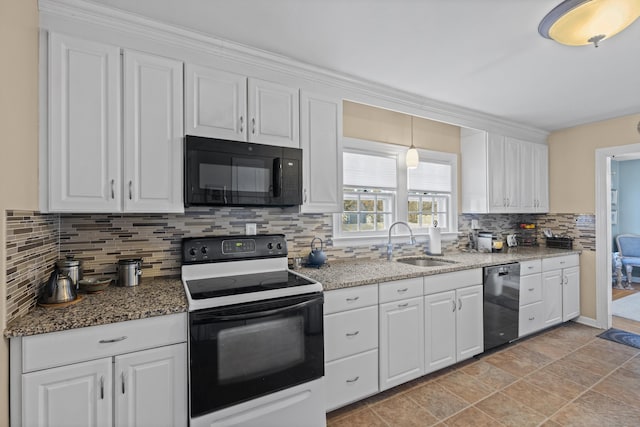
{"x":412,"y":240}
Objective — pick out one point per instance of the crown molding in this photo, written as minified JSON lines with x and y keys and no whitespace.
{"x":362,"y":90}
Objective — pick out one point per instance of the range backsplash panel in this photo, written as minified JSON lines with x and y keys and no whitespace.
{"x":32,"y":250}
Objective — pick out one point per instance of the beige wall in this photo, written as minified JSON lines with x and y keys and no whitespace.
{"x":18,"y":137}
{"x":572,"y":181}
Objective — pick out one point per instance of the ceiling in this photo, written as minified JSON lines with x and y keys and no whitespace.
{"x":485,"y":55}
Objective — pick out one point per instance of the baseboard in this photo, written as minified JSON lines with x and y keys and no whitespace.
{"x":587,"y":321}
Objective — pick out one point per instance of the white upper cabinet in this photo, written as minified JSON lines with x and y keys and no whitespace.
{"x":152,"y":133}
{"x":91,"y":168}
{"x":226,"y":105}
{"x":502,"y":174}
{"x":321,"y":124}
{"x":84,"y":126}
{"x":215,"y":103}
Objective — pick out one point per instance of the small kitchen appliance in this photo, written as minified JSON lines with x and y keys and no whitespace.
{"x":129,"y":272}
{"x":485,"y":241}
{"x":256,"y":339}
{"x":512,"y":240}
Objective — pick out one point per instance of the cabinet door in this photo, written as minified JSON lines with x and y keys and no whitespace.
{"x":274,"y":114}
{"x":570,"y":293}
{"x":84,"y":130}
{"x":469,"y":322}
{"x":541,"y":180}
{"x":440,"y":330}
{"x":552,"y":297}
{"x":528,"y":175}
{"x":496,"y":174}
{"x":150,"y":387}
{"x":152,"y":133}
{"x":215,"y":103}
{"x":512,"y":174}
{"x":73,"y":395}
{"x":401,"y":342}
{"x":321,"y":125}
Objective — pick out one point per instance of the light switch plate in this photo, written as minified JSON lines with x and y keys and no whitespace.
{"x":474,"y":224}
{"x":250,"y":229}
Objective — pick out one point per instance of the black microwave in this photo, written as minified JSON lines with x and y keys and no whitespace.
{"x":220,"y":172}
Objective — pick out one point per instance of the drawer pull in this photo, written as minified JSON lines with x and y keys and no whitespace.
{"x":122,"y":338}
{"x":352,"y":299}
{"x":403,"y":290}
{"x":530,"y":267}
{"x":352,"y":334}
{"x":531,"y":289}
{"x":532,"y":318}
{"x":353,"y":380}
{"x":403,"y":305}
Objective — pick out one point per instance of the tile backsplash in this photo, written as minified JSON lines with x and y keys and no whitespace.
{"x":35,"y":241}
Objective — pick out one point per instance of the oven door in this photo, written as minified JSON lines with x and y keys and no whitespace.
{"x":249,"y":350}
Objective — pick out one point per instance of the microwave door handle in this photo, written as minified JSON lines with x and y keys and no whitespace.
{"x":257,"y":314}
{"x":277,"y":177}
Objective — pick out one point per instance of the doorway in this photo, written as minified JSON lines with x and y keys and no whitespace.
{"x":604,"y":233}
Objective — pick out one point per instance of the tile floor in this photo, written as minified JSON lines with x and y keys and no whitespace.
{"x":562,"y":377}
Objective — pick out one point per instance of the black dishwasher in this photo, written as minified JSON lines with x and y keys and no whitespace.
{"x":501,"y":304}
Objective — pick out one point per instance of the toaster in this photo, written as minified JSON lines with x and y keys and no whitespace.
{"x":484,"y":241}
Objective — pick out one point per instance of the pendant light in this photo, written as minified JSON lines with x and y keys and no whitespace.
{"x":412,"y":153}
{"x":581,"y":22}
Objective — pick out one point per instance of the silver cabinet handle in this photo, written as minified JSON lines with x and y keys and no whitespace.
{"x":352,"y":334}
{"x":532,"y":318}
{"x":406,"y":304}
{"x":305,"y":195}
{"x":403,"y":290}
{"x":531,"y":289}
{"x":253,"y":125}
{"x":453,"y":303}
{"x":562,"y":262}
{"x":113,"y":189}
{"x":459,"y":303}
{"x":241,"y":124}
{"x":353,"y":380}
{"x":101,"y":388}
{"x":123,"y":381}
{"x":130,"y":190}
{"x":352,"y":299}
{"x":122,"y":338}
{"x":530,"y":267}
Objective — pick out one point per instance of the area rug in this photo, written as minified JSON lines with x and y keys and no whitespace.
{"x":627,"y":307}
{"x":621,"y":337}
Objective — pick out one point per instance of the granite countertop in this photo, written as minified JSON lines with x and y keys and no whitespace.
{"x":348,"y":273}
{"x":154,"y":296}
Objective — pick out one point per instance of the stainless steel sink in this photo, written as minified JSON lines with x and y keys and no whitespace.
{"x":426,"y":262}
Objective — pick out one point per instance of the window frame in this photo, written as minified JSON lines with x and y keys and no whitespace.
{"x":362,"y":146}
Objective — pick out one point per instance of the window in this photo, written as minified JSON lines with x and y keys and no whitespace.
{"x":378,"y":190}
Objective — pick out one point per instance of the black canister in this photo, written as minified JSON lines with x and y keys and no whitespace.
{"x":129,"y":272}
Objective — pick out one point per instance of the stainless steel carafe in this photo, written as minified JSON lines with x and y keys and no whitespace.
{"x":129,"y":272}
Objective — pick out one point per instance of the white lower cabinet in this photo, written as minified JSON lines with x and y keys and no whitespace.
{"x":560,"y":289}
{"x":453,"y":318}
{"x":125,"y":384}
{"x":351,"y":344}
{"x":401,"y":332}
{"x":531,"y":314}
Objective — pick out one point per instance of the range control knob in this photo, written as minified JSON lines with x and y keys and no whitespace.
{"x":270,"y":245}
{"x":204,"y":250}
{"x":279,"y":246}
{"x":192,"y":251}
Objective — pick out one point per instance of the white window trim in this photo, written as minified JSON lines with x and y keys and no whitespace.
{"x":400,"y":233}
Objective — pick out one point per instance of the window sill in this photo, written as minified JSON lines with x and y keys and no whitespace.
{"x":381,"y":239}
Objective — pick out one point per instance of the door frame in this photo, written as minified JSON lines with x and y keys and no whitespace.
{"x":603,"y":229}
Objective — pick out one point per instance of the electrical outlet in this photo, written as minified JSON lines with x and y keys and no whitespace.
{"x":250,"y":229}
{"x":474,"y":224}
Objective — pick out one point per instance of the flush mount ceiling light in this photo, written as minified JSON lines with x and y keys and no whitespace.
{"x":412,"y":153}
{"x":581,"y":22}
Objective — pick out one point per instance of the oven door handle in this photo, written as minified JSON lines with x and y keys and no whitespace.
{"x":258,"y":314}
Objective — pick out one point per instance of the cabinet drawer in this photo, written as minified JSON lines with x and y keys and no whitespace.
{"x":350,"y":332}
{"x":350,"y":298}
{"x":400,"y":289}
{"x":530,"y":289}
{"x":558,"y":262}
{"x":77,"y":345}
{"x":351,"y":379}
{"x":450,"y":281}
{"x":531,"y":318}
{"x":530,"y":267}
